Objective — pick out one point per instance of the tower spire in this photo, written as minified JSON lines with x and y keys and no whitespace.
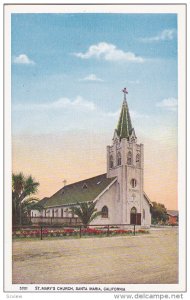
{"x":124,"y":127}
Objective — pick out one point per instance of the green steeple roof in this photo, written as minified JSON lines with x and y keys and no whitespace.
{"x":124,"y":127}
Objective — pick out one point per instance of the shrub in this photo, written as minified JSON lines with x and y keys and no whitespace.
{"x":72,"y":232}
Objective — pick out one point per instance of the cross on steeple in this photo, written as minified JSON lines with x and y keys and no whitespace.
{"x":125,"y":91}
{"x":64,"y":182}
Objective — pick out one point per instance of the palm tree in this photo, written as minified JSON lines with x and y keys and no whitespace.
{"x":22,"y":187}
{"x":86,"y":212}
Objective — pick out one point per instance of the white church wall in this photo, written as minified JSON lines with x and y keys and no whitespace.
{"x":147,"y":220}
{"x":35,"y":213}
{"x":129,"y":196}
{"x":109,"y":199}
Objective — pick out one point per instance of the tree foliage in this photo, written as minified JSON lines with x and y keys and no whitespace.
{"x":22,"y":188}
{"x":86,"y":212}
{"x":159,"y":213}
{"x":30,"y":203}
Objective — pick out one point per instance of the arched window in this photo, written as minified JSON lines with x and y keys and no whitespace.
{"x":52,"y":213}
{"x":143,"y":214}
{"x":105,"y":212}
{"x":138,"y":160}
{"x":129,"y":158}
{"x":111,"y":161}
{"x":133,"y":210}
{"x":119,"y":159}
{"x":133,"y":182}
{"x":61,"y":212}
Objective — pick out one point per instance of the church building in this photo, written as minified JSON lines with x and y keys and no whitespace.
{"x":119,"y":193}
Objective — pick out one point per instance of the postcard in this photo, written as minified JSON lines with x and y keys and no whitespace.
{"x":95,"y":148}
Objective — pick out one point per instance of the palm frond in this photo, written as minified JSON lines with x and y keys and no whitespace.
{"x":86,"y":211}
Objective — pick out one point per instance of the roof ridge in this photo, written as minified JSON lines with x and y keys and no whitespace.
{"x":74,"y":192}
{"x":86,"y":179}
{"x":76,"y":182}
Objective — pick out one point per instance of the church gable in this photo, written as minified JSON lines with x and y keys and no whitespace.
{"x":147,"y":199}
{"x":82,"y":191}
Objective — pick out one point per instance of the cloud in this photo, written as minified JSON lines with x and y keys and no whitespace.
{"x":62,"y":103}
{"x":136,"y":115}
{"x":91,"y":77}
{"x":169,"y":104}
{"x":109,"y":52}
{"x":165,"y":35}
{"x":23,"y":59}
{"x":79,"y":104}
{"x":133,"y":114}
{"x":111,"y":114}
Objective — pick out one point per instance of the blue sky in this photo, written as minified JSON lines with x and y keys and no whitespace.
{"x":49,"y":64}
{"x":68,"y":71}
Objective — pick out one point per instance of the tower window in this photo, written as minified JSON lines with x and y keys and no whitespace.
{"x":129,"y":158}
{"x":104,"y":212}
{"x":61,"y":212}
{"x":119,"y":159}
{"x":133,"y":183}
{"x":143,"y":214}
{"x":138,"y":160}
{"x":111,"y":161}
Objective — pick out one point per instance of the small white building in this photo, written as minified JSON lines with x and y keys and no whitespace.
{"x":119,"y":192}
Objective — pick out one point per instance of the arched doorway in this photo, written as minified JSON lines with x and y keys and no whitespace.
{"x":133,"y":215}
{"x":135,"y":218}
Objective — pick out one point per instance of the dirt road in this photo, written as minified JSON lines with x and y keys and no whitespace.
{"x":151,"y":258}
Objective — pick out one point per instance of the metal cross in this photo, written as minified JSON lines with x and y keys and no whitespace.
{"x":125,"y":91}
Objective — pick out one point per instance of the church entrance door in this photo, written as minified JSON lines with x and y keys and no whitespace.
{"x":138,"y":219}
{"x":135,"y":218}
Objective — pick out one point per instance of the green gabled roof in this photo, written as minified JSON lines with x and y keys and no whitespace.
{"x":44,"y":200}
{"x":124,"y":127}
{"x":82,"y":191}
{"x":40,"y":203}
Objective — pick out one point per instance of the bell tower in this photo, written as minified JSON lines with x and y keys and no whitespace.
{"x":125,"y":160}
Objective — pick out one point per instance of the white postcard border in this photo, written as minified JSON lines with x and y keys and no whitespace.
{"x":123,"y":8}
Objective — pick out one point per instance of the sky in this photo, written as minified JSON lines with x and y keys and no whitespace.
{"x":68,"y":72}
